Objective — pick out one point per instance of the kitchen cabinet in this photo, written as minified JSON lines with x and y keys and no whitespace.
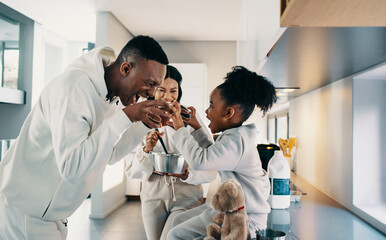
{"x":332,"y":13}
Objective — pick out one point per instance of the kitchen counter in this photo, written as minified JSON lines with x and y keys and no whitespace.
{"x":317,"y":216}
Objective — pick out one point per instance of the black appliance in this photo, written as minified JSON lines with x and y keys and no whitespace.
{"x":266,"y":152}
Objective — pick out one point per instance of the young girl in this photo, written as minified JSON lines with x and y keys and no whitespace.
{"x":163,"y":196}
{"x":234,"y":153}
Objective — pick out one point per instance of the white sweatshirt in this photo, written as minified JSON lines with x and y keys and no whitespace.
{"x":233,"y":155}
{"x":140,"y":165}
{"x":67,"y":140}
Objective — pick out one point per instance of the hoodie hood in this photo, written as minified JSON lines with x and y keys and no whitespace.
{"x":92,"y":64}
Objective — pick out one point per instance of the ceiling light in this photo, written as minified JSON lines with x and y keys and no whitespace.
{"x":286,"y":89}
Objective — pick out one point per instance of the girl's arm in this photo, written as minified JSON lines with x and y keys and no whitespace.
{"x":223,"y":155}
{"x":200,"y":177}
{"x":202,"y":135}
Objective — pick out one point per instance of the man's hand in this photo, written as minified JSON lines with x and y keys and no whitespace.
{"x":150,"y":112}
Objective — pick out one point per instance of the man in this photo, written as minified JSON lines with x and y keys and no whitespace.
{"x":76,"y":128}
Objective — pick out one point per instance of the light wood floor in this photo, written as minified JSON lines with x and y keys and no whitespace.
{"x":124,"y":223}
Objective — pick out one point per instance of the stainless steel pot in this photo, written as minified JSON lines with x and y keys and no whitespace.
{"x":270,"y":234}
{"x":168,"y":163}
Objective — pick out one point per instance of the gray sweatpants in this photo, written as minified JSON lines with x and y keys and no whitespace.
{"x":158,"y":207}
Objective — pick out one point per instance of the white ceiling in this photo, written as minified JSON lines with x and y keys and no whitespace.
{"x":196,"y":20}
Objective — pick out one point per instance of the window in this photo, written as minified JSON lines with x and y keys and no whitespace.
{"x":9,"y":52}
{"x":4,"y":146}
{"x":277,"y":126}
{"x":369,"y":165}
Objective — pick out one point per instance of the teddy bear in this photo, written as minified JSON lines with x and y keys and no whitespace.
{"x":231,"y":221}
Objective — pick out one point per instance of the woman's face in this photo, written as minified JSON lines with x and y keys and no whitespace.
{"x":167,"y":91}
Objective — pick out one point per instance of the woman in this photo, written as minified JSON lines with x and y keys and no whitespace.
{"x":164,"y":196}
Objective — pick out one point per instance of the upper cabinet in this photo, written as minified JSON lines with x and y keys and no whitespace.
{"x":333,"y":13}
{"x":321,"y":48}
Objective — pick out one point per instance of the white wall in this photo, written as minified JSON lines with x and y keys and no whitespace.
{"x":219,"y":57}
{"x":322,"y":122}
{"x":259,"y":31}
{"x":52,"y":54}
{"x":110,"y":32}
{"x":75,"y":49}
{"x":105,"y":198}
{"x":194,"y":89}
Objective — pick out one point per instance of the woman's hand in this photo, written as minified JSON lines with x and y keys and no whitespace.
{"x":183,"y":176}
{"x":176,"y":116}
{"x":151,"y":140}
{"x":192,"y":121}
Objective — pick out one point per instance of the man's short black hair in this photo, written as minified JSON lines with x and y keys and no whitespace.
{"x":145,"y":47}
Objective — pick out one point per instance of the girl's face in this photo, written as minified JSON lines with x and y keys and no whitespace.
{"x":216,"y":112}
{"x":167,"y":91}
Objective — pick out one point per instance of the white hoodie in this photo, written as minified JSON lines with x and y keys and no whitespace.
{"x":67,"y":140}
{"x":234,"y":155}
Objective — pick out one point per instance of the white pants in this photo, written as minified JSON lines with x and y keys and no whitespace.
{"x":192,"y":224}
{"x":158,"y":206}
{"x":16,"y":225}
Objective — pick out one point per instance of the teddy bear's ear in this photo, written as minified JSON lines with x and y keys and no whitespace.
{"x":231,"y":189}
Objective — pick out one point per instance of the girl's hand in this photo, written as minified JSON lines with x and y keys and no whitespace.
{"x":192,"y":121}
{"x":176,"y":116}
{"x":151,"y":140}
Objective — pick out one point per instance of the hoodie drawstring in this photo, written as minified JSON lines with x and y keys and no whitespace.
{"x":172,"y":181}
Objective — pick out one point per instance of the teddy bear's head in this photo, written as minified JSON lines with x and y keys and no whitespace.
{"x":229,"y":197}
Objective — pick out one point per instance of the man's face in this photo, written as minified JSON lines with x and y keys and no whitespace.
{"x":141,"y":80}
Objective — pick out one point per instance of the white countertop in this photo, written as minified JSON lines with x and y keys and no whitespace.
{"x":317,"y":216}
